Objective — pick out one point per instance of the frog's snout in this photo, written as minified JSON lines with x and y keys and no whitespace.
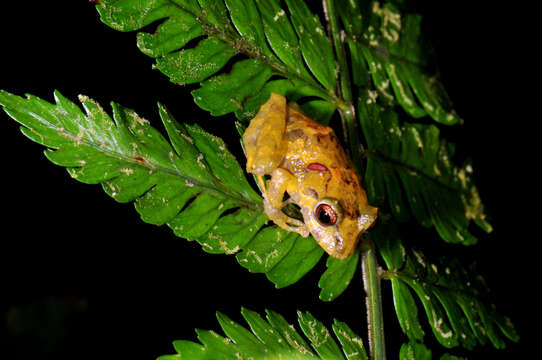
{"x":347,"y":239}
{"x":368,"y":219}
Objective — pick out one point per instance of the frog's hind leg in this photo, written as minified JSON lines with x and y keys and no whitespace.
{"x":264,"y":139}
{"x":279,"y":184}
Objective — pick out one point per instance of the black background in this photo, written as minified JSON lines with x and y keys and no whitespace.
{"x":130,"y":288}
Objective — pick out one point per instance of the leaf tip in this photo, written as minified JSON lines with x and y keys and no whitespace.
{"x":220,"y":316}
{"x":161,"y":107}
{"x":326,"y":297}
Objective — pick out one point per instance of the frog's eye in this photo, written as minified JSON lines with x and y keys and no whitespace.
{"x":327,"y":212}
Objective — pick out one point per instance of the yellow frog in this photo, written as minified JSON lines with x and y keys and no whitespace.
{"x":306,"y":161}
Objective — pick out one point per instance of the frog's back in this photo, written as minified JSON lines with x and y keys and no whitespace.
{"x":310,"y":142}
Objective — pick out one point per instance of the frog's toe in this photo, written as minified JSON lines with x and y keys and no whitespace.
{"x":301,"y":230}
{"x":299,"y":227}
{"x":304,"y":232}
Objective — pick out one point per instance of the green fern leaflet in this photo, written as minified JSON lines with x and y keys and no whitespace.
{"x":410,"y":171}
{"x":287,"y":42}
{"x":272,"y":338}
{"x":457,"y":303}
{"x":269,"y":42}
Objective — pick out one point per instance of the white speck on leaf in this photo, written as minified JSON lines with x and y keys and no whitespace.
{"x":127,"y":171}
{"x":372,"y":95}
{"x":278,"y":15}
{"x":200,"y":161}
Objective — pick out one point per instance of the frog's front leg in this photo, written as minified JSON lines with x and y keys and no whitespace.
{"x":282,"y":181}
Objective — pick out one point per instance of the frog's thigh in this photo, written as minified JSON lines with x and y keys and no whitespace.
{"x":281,"y":182}
{"x":264,"y":139}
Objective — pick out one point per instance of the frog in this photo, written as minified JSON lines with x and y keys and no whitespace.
{"x":296,"y":160}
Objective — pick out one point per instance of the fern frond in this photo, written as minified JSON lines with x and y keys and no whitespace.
{"x":390,"y":46}
{"x":271,"y":41}
{"x":191,"y":183}
{"x":410,"y":170}
{"x":458,"y":306}
{"x":272,"y":338}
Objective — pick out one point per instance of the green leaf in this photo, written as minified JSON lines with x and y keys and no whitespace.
{"x":265,"y":332}
{"x":337,"y":269}
{"x":289,"y":333}
{"x":319,"y":336}
{"x":451,"y":357}
{"x":189,"y":182}
{"x":315,"y":44}
{"x":246,"y":19}
{"x":197,"y":63}
{"x":394,"y":255}
{"x":189,"y":350}
{"x":414,"y":351}
{"x":410,"y":169}
{"x":246,"y":343}
{"x":223,"y":94}
{"x":457,"y":303}
{"x":271,"y":338}
{"x":319,"y":110}
{"x":302,"y":257}
{"x":293,"y":47}
{"x":281,"y":35}
{"x":391,"y":47}
{"x":352,"y":344}
{"x":213,"y":344}
{"x":266,"y":249}
{"x":407,"y":311}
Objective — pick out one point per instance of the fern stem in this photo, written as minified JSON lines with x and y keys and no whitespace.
{"x":371,"y":283}
{"x":335,"y":33}
{"x":369,"y":265}
{"x":347,"y":111}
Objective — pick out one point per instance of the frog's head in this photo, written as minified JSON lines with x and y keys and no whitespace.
{"x":339,"y":216}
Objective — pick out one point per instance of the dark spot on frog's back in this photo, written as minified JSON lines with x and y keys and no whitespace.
{"x":320,"y":137}
{"x":356,"y":213}
{"x":295,"y":134}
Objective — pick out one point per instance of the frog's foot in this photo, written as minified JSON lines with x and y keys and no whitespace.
{"x":284,"y":221}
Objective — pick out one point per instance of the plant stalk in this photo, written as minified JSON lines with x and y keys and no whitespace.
{"x":371,"y":284}
{"x":369,"y":265}
{"x":347,"y":110}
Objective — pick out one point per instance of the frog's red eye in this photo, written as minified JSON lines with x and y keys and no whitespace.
{"x":326,"y":215}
